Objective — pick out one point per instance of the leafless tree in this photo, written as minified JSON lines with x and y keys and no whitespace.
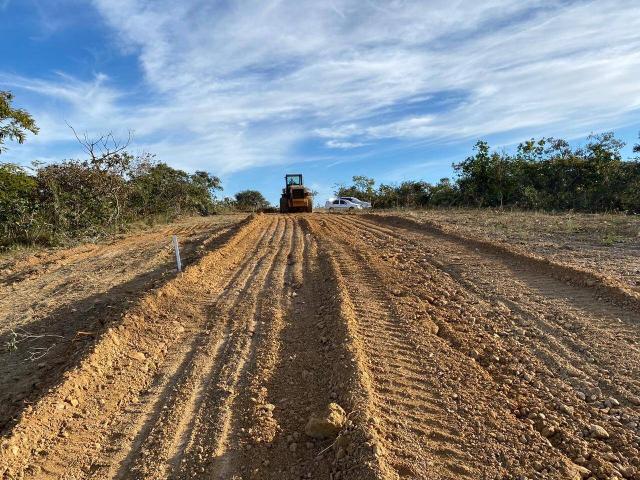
{"x":104,"y":151}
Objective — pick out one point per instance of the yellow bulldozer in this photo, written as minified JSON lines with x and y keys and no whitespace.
{"x":295,"y":196}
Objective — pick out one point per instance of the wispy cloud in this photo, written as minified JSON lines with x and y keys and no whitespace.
{"x":341,"y":144}
{"x":231,"y":85}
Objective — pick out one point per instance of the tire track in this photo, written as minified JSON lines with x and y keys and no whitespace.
{"x":534,"y":342}
{"x":156,"y":456}
{"x":439,"y":446}
{"x":205,"y":449}
{"x":113,"y":379}
{"x":288,"y":374}
{"x":551,"y":334}
{"x":253,"y":421}
{"x":451,"y":362}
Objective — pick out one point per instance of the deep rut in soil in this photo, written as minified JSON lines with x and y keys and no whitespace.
{"x":451,"y":362}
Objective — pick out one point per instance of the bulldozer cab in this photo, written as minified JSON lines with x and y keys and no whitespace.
{"x":295,"y":179}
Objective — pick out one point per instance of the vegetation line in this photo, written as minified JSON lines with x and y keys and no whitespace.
{"x":545,"y":174}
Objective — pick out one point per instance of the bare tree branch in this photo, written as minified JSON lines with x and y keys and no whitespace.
{"x":103,"y":147}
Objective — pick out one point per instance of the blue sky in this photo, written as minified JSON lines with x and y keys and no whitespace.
{"x":251,"y":90}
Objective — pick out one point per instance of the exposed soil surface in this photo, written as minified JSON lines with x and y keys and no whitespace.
{"x":442,"y":357}
{"x":55,"y":303}
{"x":606,"y":243}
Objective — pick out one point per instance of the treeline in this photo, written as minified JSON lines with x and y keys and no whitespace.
{"x":543,"y":174}
{"x":80,"y":199}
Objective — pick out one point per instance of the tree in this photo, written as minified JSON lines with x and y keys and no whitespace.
{"x":365,"y":185}
{"x":18,"y":206}
{"x":162,"y":190}
{"x":251,"y":200}
{"x":386,"y":196}
{"x":14,"y":122}
{"x":203,"y":191}
{"x":475,"y":174}
{"x":604,"y":147}
{"x":444,"y":193}
{"x":106,"y":151}
{"x":414,"y":193}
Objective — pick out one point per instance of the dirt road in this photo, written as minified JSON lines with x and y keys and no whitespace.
{"x":450,"y":360}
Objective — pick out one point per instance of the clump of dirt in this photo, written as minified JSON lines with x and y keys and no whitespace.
{"x":326,"y":424}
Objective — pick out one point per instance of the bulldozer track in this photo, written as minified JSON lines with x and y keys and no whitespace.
{"x":452,"y":359}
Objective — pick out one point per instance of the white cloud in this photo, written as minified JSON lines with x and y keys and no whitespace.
{"x":341,"y":144}
{"x":232,"y":85}
{"x":88,"y":105}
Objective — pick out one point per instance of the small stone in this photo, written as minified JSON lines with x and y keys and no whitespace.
{"x":138,"y":356}
{"x":293,"y":447}
{"x":578,"y":472}
{"x":597,"y":431}
{"x":566,"y":409}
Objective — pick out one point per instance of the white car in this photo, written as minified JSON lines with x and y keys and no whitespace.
{"x":341,"y":204}
{"x":362,"y":203}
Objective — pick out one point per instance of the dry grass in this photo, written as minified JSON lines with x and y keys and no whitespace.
{"x":606,"y":243}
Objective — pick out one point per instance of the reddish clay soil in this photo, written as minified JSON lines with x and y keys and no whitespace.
{"x":452,"y":358}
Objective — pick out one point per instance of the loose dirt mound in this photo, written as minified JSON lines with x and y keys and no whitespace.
{"x":436,"y":359}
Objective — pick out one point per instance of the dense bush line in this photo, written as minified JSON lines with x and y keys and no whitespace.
{"x":89,"y":199}
{"x":543,"y":174}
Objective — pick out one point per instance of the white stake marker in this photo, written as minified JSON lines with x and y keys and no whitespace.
{"x":177,"y":250}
